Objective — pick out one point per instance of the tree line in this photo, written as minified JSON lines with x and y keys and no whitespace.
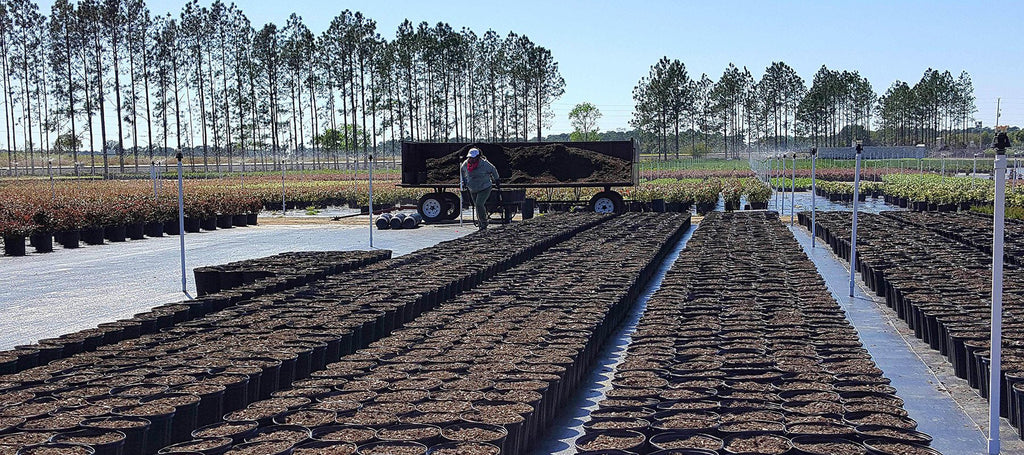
{"x":676,"y":113}
{"x":110,"y":75}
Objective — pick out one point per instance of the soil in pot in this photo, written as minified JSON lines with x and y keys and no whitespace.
{"x":325,"y":448}
{"x":611,"y":439}
{"x":686,"y":440}
{"x":763,"y":444}
{"x":465,"y":448}
{"x":57,"y":448}
{"x":104,"y":442}
{"x":272,"y":447}
{"x":392,"y":448}
{"x":208,"y":446}
{"x":237,"y":431}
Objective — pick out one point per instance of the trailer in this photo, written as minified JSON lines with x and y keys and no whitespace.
{"x":521,"y":165}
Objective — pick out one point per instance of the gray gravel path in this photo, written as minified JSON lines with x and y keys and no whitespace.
{"x":47,"y":295}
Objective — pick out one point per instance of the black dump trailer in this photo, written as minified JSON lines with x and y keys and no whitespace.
{"x":521,"y":165}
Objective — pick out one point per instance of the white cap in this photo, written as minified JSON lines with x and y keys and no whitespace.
{"x":473,"y":153}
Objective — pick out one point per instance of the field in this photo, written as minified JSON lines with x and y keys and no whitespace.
{"x":729,"y":337}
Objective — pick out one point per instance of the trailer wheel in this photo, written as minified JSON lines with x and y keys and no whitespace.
{"x":606,"y":202}
{"x":432,"y":207}
{"x":452,"y":206}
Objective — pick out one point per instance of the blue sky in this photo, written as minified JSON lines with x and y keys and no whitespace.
{"x":604,"y":47}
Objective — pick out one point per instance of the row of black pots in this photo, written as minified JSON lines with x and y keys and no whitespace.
{"x":656,"y":206}
{"x":305,"y":266}
{"x":165,"y":316}
{"x":617,"y":292}
{"x":43,"y":243}
{"x":974,"y":229}
{"x":705,"y":282}
{"x":965,"y":343}
{"x":110,"y":362}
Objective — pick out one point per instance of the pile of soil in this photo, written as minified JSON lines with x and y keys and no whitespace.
{"x":547,"y":163}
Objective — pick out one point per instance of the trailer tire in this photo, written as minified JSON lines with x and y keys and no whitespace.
{"x":607,"y":202}
{"x":432,"y":207}
{"x":452,"y":206}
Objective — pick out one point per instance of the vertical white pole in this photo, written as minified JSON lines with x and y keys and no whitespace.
{"x":181,"y":223}
{"x":814,"y":195}
{"x":283,"y":209}
{"x":856,"y":206}
{"x":792,"y":197}
{"x":782,"y":183}
{"x":996,"y":341}
{"x":152,"y":175}
{"x":370,"y":166}
{"x":49,"y":172}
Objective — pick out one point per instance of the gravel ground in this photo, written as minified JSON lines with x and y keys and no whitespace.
{"x":46,"y":295}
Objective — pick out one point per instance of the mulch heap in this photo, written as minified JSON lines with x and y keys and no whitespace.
{"x":545,"y":163}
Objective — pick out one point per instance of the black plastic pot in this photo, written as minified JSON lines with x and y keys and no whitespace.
{"x":225,"y":221}
{"x":272,"y":447}
{"x":42,"y":242}
{"x":238,"y":431}
{"x":205,"y":446}
{"x":134,"y":429}
{"x":192,"y":225}
{"x":405,"y":445}
{"x":239,"y":220}
{"x":69,"y":239}
{"x":154,"y":229}
{"x":877,"y":447}
{"x":14,"y":245}
{"x":320,"y":446}
{"x":661,"y":439}
{"x":251,"y":219}
{"x":159,"y":434}
{"x":185,"y":417}
{"x":116,"y":233}
{"x":581,"y":443}
{"x":50,"y":447}
{"x":92,"y":236}
{"x":76,"y":437}
{"x":207,"y":224}
{"x":172,"y":227}
{"x":136,"y":231}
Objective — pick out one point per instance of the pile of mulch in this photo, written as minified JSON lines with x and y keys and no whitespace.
{"x":543,"y":163}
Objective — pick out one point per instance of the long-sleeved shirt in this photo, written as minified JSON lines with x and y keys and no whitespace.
{"x":480,"y":178}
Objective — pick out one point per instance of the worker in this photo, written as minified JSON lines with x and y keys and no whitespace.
{"x":479,"y":175}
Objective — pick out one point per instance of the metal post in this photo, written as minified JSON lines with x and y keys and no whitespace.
{"x":792,"y":197}
{"x":284,"y":210}
{"x":152,"y":176}
{"x":370,"y":168}
{"x":943,"y":167}
{"x":181,"y":223}
{"x":1002,"y":142}
{"x":974,"y":173}
{"x":856,"y":206}
{"x":814,"y":195}
{"x":770,"y":174}
{"x":49,"y":172}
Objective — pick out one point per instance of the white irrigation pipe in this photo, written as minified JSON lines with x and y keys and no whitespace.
{"x":152,"y":176}
{"x":284,"y":211}
{"x":792,"y":197}
{"x":814,"y":193}
{"x":181,"y":224}
{"x":996,"y":335}
{"x":370,"y":167}
{"x":856,"y":206}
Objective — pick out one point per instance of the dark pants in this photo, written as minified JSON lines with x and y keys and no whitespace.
{"x":479,"y":201}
